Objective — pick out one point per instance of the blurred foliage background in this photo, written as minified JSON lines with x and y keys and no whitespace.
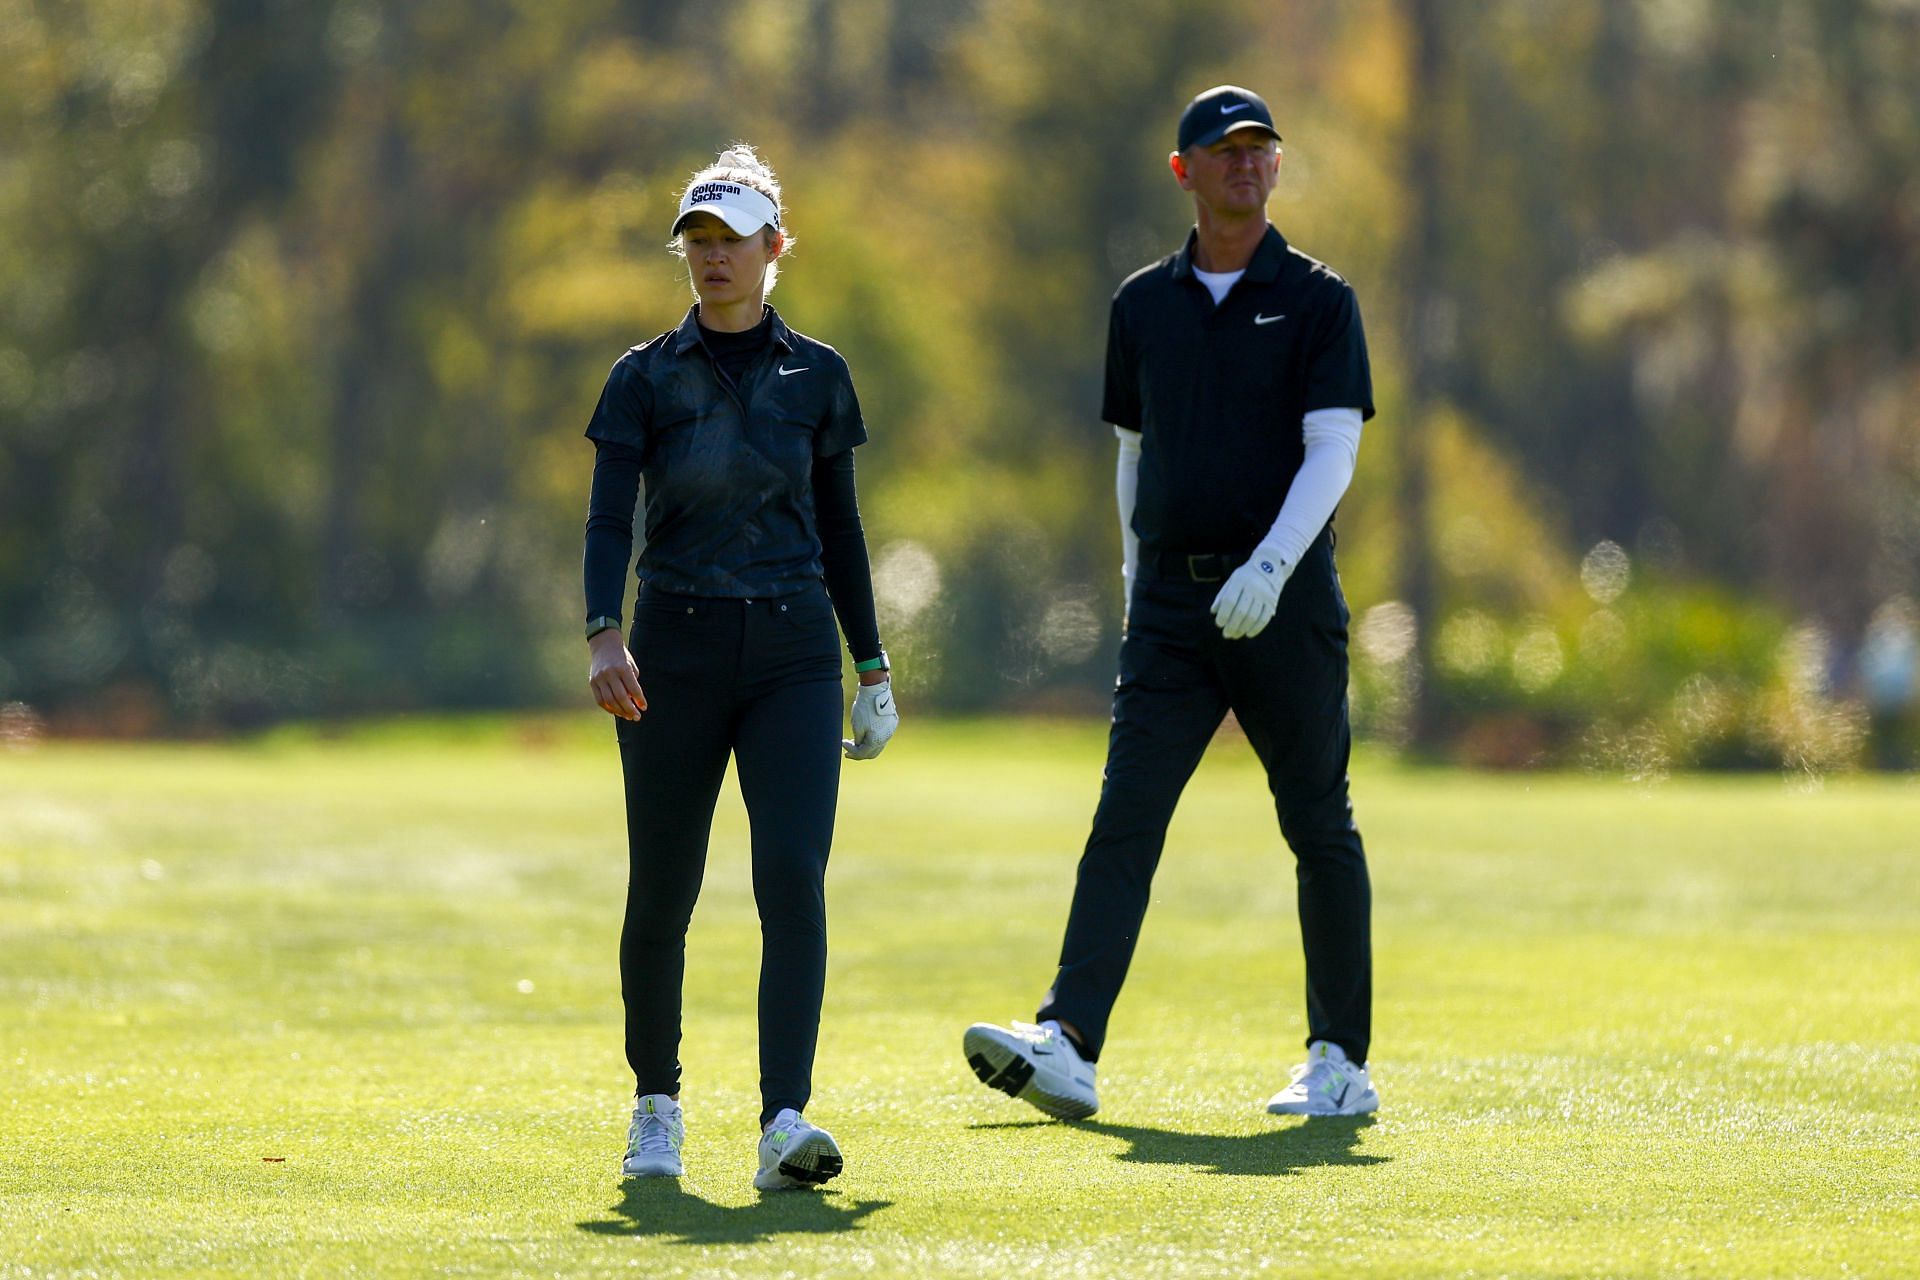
{"x":303,"y":306}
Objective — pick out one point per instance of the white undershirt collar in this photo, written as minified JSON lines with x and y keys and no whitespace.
{"x":1218,"y":282}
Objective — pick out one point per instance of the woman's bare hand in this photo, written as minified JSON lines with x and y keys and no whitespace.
{"x":613,"y":677}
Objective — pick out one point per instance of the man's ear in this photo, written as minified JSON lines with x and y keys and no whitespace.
{"x":1178,"y":164}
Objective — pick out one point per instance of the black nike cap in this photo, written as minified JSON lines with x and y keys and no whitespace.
{"x":1222,"y":110}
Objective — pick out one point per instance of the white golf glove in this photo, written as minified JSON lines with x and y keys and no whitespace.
{"x":1246,"y":603}
{"x":874,"y":720}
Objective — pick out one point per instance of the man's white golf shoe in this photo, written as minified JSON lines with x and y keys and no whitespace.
{"x":1036,"y":1064}
{"x":655,"y":1138}
{"x":1326,"y":1084}
{"x":794,"y":1153}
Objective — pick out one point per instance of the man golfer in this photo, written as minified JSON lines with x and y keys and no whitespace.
{"x":1237,"y":381}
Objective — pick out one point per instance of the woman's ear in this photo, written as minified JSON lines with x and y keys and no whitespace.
{"x":776,"y":244}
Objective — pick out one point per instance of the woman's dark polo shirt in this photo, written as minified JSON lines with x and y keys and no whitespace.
{"x":734,"y":467}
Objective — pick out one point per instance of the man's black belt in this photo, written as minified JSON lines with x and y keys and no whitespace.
{"x":1209,"y":566}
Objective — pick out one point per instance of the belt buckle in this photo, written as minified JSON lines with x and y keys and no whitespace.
{"x":1193,"y":568}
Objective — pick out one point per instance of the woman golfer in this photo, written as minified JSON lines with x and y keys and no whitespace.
{"x":744,"y":433}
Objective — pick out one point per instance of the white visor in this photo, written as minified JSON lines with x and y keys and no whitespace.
{"x":740,"y":207}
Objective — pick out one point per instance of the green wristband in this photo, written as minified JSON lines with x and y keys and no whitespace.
{"x":874,"y":664}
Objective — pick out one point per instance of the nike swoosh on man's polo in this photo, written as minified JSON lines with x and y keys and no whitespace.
{"x":1260,"y":319}
{"x":786,"y":372}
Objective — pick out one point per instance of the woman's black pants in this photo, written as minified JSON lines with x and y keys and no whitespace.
{"x":757,"y":680}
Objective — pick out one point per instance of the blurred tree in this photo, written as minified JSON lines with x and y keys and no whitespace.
{"x":302,"y":308}
{"x":1427,"y":345}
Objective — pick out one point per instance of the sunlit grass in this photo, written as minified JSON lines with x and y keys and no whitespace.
{"x":332,"y":1005}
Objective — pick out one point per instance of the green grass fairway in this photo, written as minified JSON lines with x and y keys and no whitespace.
{"x":347,"y":1006}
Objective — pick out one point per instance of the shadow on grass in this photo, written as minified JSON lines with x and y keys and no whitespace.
{"x":662,"y":1207}
{"x":1321,"y":1141}
{"x":1324,"y":1140}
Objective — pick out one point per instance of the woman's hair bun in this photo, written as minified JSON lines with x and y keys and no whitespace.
{"x":742,"y":156}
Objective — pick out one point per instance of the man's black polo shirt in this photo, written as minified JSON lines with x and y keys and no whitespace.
{"x":729,"y":466}
{"x":1218,"y":392}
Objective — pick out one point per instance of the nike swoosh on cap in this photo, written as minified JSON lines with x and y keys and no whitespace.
{"x":1238,"y":106}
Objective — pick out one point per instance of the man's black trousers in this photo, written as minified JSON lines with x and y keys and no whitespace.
{"x":1287,"y":687}
{"x":757,"y":680}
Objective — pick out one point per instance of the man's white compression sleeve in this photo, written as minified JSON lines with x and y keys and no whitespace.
{"x":1333,"y":447}
{"x":1126,"y":485}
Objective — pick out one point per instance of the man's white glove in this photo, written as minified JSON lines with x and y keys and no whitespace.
{"x":874,"y":720}
{"x":1246,"y":603}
